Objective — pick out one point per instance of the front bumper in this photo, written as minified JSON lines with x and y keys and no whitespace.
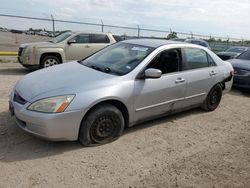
{"x":27,"y":60}
{"x":56,"y":127}
{"x":241,"y":81}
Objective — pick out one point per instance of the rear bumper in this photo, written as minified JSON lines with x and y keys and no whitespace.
{"x":228,"y":84}
{"x":242,"y":82}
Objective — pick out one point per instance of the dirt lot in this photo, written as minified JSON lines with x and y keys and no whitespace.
{"x":9,"y":42}
{"x":190,"y":149}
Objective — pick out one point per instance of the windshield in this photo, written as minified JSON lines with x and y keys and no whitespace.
{"x":236,"y":49}
{"x":118,"y":59}
{"x":117,"y":38}
{"x":245,"y":55}
{"x":61,"y":37}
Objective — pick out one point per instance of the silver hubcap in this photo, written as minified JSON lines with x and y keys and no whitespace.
{"x":50,"y":62}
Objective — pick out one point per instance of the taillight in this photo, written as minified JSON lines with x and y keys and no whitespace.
{"x":232,"y":72}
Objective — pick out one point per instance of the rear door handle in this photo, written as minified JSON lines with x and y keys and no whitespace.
{"x":87,"y":46}
{"x":212,"y":73}
{"x":179,"y":80}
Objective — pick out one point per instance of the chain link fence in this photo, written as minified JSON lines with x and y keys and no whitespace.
{"x":52,"y":27}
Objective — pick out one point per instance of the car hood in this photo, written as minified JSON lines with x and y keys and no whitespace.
{"x":40,"y":44}
{"x":228,"y":53}
{"x":239,"y":63}
{"x":68,"y":78}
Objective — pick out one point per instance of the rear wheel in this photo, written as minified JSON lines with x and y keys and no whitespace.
{"x":49,"y":61}
{"x":103,"y":124}
{"x":213,"y":98}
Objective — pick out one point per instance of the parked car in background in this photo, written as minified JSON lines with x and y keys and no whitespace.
{"x":241,"y":65}
{"x":3,"y":29}
{"x":30,"y":33}
{"x":43,"y":33}
{"x":232,"y":52}
{"x":66,"y":47}
{"x":123,"y":84}
{"x":199,"y":42}
{"x":16,"y":31}
{"x":179,"y":39}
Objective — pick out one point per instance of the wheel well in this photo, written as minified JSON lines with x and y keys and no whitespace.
{"x":117,"y":104}
{"x":57,"y":55}
{"x":222,"y":84}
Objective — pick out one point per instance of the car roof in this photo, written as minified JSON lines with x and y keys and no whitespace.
{"x":201,"y":40}
{"x":154,"y":43}
{"x":240,"y":47}
{"x":86,"y":32}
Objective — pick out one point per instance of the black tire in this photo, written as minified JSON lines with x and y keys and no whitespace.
{"x":103,"y":124}
{"x":213,"y":98}
{"x":49,"y":61}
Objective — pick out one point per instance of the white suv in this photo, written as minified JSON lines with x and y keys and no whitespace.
{"x":63,"y":48}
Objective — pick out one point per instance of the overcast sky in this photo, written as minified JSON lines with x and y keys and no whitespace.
{"x":215,"y":17}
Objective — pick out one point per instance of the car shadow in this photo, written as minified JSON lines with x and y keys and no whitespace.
{"x":17,"y":145}
{"x":240,"y":91}
{"x":14,"y":71}
{"x":164,"y":119}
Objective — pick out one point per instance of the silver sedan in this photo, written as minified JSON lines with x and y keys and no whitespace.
{"x":94,"y":99}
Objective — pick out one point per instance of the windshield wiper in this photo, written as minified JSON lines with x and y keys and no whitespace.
{"x":107,"y":70}
{"x":96,"y":68}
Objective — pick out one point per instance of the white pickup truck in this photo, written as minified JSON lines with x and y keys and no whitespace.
{"x":66,"y":47}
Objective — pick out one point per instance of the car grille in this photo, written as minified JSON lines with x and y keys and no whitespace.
{"x":241,"y":72}
{"x":17,"y":98}
{"x":20,"y":51}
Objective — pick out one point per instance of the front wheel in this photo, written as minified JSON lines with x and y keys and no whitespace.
{"x":49,"y":61}
{"x":213,"y":98}
{"x":103,"y":124}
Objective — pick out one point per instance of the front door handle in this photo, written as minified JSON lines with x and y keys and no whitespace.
{"x":212,"y":73}
{"x":87,"y":46}
{"x":179,"y":80}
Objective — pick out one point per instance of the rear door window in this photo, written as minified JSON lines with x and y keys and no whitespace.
{"x":99,"y":38}
{"x":195,"y":58}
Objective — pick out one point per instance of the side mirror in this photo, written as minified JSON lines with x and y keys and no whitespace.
{"x":71,"y":41}
{"x":152,"y":73}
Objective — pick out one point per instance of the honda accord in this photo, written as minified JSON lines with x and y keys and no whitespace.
{"x":94,"y":99}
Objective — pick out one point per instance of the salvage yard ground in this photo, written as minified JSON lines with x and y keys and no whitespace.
{"x":190,"y":149}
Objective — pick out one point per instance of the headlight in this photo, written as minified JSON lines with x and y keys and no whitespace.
{"x":52,"y":105}
{"x":28,"y":49}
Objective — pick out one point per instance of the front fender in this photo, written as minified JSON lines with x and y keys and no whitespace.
{"x":41,"y":51}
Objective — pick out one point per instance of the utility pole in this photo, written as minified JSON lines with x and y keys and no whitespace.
{"x":138,"y":33}
{"x":102,"y":25}
{"x":53,"y":24}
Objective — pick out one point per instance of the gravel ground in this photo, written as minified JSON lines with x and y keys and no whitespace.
{"x":190,"y":149}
